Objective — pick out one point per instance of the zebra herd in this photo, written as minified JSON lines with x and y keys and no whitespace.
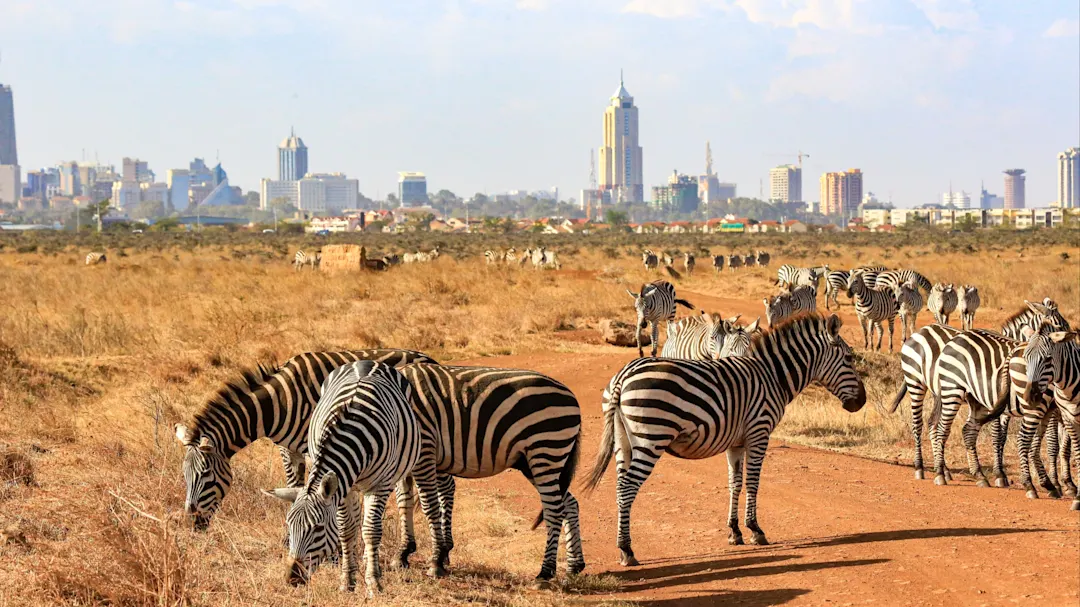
{"x":652,"y":261}
{"x":540,"y":257}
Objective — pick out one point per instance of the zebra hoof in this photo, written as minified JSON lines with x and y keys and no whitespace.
{"x":1075,"y":505}
{"x":543,"y":584}
{"x":940,"y":480}
{"x":575,"y":568}
{"x":437,"y":571}
{"x":758,"y":539}
{"x":982,"y":482}
{"x":1053,"y":494}
{"x":627,"y":559}
{"x":948,"y":475}
{"x":735,"y":539}
{"x":919,"y":475}
{"x":1032,"y":494}
{"x":1069,"y":491}
{"x":1001,"y":482}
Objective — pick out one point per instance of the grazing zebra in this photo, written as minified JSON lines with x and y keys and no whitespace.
{"x":649,"y":259}
{"x":968,"y":302}
{"x":364,"y":440}
{"x":95,"y":258}
{"x":763,"y":259}
{"x":750,"y":260}
{"x":699,"y":409}
{"x":274,"y":403}
{"x":717,"y":263}
{"x":734,"y":262}
{"x":537,"y":258}
{"x":909,"y":301}
{"x":835,"y":282}
{"x":699,"y":337}
{"x":688,"y":263}
{"x":478,"y":422}
{"x":873,"y":307}
{"x":890,"y":279}
{"x":942,"y":302}
{"x":391,"y":260}
{"x":303,"y":258}
{"x":802,"y":299}
{"x":654,"y":303}
{"x":668,"y":260}
{"x":494,"y":257}
{"x":526,"y":257}
{"x":790,"y":276}
{"x":510,"y":256}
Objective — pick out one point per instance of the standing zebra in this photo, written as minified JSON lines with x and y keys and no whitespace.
{"x":655,"y":302}
{"x":717,"y":263}
{"x":870,"y":274}
{"x":274,"y":403}
{"x":872,"y":307}
{"x":734,"y":262}
{"x":303,"y":258}
{"x":835,"y":282}
{"x":478,"y":422}
{"x":688,"y":263}
{"x":942,"y":302}
{"x":95,"y":258}
{"x":493,"y":257}
{"x":763,"y":259}
{"x":791,"y":276}
{"x":698,"y":337}
{"x":510,"y":256}
{"x":551,"y":260}
{"x":1022,"y":324}
{"x":738,"y":340}
{"x":364,"y":440}
{"x":649,"y":259}
{"x":699,"y":409}
{"x":750,"y":260}
{"x":668,"y":260}
{"x":538,"y":257}
{"x":968,"y":302}
{"x":890,"y":279}
{"x":802,"y":299}
{"x":526,"y":257}
{"x":909,"y":302}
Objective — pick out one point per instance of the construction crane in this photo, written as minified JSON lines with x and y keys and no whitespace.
{"x":800,"y":155}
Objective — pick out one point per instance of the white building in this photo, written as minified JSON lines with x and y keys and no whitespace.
{"x":154,"y":192}
{"x":960,"y":200}
{"x":785,"y":183}
{"x":126,"y":195}
{"x":179,"y":182}
{"x":10,"y":183}
{"x":322,"y":192}
{"x":1069,"y":178}
{"x":273,"y":189}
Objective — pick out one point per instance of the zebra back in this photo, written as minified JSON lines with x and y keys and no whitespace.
{"x":700,"y":337}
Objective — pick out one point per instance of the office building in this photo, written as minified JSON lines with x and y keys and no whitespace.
{"x":958,"y":200}
{"x":154,"y":192}
{"x":1068,"y":180}
{"x":1014,"y":188}
{"x":137,"y":171}
{"x":273,"y":191}
{"x":621,"y":156}
{"x":412,"y":189}
{"x":9,"y":154}
{"x":785,"y":184}
{"x":988,"y":200}
{"x":70,"y":182}
{"x":841,"y":192}
{"x":292,"y":158}
{"x":126,"y":195}
{"x":10,"y":183}
{"x":680,"y":195}
{"x":327,"y":192}
{"x":178,"y":182}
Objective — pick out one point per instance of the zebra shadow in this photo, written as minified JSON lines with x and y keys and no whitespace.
{"x":667,"y":576}
{"x":748,"y":598}
{"x":906,"y":534}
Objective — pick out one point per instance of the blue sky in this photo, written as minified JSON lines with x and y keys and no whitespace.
{"x":490,"y":95}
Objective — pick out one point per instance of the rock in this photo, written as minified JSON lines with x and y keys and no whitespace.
{"x":619,"y":333}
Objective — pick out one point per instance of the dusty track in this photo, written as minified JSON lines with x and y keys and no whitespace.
{"x":844,"y":530}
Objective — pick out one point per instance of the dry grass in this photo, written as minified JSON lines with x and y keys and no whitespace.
{"x":96,"y":364}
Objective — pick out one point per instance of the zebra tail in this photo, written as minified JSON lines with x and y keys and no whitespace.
{"x":565,"y":478}
{"x":899,"y":397}
{"x":999,"y":407}
{"x":685,"y":304}
{"x":935,"y":411}
{"x":607,"y":447}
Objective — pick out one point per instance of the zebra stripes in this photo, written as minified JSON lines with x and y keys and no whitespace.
{"x":909,"y":302}
{"x":717,"y":263}
{"x":493,"y":257}
{"x":873,"y":307}
{"x":654,"y":303}
{"x":303,"y":258}
{"x":421,"y":256}
{"x":699,"y":337}
{"x":1060,"y":369}
{"x":836,"y":281}
{"x":941,"y":302}
{"x":364,"y":440}
{"x":688,"y":263}
{"x":699,"y":409}
{"x":1023,"y":323}
{"x":750,"y":260}
{"x":274,"y":403}
{"x":967,"y":301}
{"x":650,"y":259}
{"x":95,"y":258}
{"x":791,"y":276}
{"x":784,"y":305}
{"x":484,"y":421}
{"x":890,"y":279}
{"x":734,"y":262}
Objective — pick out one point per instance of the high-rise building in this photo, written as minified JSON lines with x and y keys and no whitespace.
{"x":327,"y":192}
{"x":785,"y":184}
{"x":9,"y":154}
{"x":70,"y":181}
{"x":620,"y":156}
{"x":137,"y":171}
{"x":680,"y":195}
{"x":988,"y":200}
{"x":1014,"y":188}
{"x":10,"y":183}
{"x":179,"y":182}
{"x":841,"y":192}
{"x":412,"y":189}
{"x":959,"y":200}
{"x":292,"y":158}
{"x":709,"y":183}
{"x":1069,"y":178}
{"x":126,"y":195}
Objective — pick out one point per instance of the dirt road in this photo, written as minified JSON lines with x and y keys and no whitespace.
{"x":844,"y":530}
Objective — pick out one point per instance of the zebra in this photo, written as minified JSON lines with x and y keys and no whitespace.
{"x":750,"y":260}
{"x":870,"y":274}
{"x":698,"y":337}
{"x":526,"y":257}
{"x":941,"y":302}
{"x":482,"y":421}
{"x":717,"y":263}
{"x":836,"y":281}
{"x":649,"y":259}
{"x":968,"y":302}
{"x":655,"y":302}
{"x":95,"y":258}
{"x":790,"y":276}
{"x":734,"y":262}
{"x":537,"y":258}
{"x":802,"y":299}
{"x":873,"y":307}
{"x":303,"y":258}
{"x":551,"y":260}
{"x":510,"y":256}
{"x":688,"y":263}
{"x":274,"y":403}
{"x":763,"y":259}
{"x":364,"y":440}
{"x":738,"y":340}
{"x":909,"y":301}
{"x":699,"y":409}
{"x":1023,"y":323}
{"x":391,"y":260}
{"x":890,"y":279}
{"x":668,"y":260}
{"x":494,"y":257}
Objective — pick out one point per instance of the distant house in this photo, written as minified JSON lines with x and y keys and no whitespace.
{"x":769,"y":225}
{"x":794,"y":226}
{"x":888,"y":228}
{"x":679,"y":227}
{"x":333,"y":224}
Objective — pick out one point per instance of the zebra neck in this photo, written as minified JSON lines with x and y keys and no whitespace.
{"x":245,"y":416}
{"x":789,"y":368}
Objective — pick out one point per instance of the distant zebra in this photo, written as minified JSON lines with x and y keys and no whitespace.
{"x":750,"y":260}
{"x":700,"y":409}
{"x":654,"y":303}
{"x":734,"y":262}
{"x":364,"y":440}
{"x":802,"y":299}
{"x":1022,"y":324}
{"x":494,"y":257}
{"x":968,"y":302}
{"x":649,"y":259}
{"x":391,"y":260}
{"x":890,"y":279}
{"x":699,"y":337}
{"x":688,"y":263}
{"x":266,"y":402}
{"x":942,"y":302}
{"x":668,"y":260}
{"x":482,"y":421}
{"x":551,"y":260}
{"x":717,"y":263}
{"x":303,"y":258}
{"x":95,"y":258}
{"x":789,"y":275}
{"x":909,"y":302}
{"x":510,"y":256}
{"x":526,"y":257}
{"x":836,"y":281}
{"x":873,"y":307}
{"x":763,"y":259}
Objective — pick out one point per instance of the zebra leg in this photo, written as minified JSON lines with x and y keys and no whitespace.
{"x":865,"y":336}
{"x":949,"y":406}
{"x":633,"y":469}
{"x":406,"y":505}
{"x":1046,"y":423}
{"x":917,"y":395}
{"x":971,"y":437}
{"x":427,"y":482}
{"x":1068,"y":446}
{"x":447,"y":488}
{"x":374,"y":506}
{"x":735,"y":457}
{"x":1030,"y":426}
{"x":755,"y":457}
{"x":575,"y":557}
{"x":295,"y":475}
{"x":348,"y":522}
{"x":892,"y":328}
{"x":637,"y":336}
{"x":1072,"y":425}
{"x":999,"y":431}
{"x":545,"y":477}
{"x":655,"y":336}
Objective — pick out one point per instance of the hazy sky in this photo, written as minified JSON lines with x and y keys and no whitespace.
{"x":490,"y":95}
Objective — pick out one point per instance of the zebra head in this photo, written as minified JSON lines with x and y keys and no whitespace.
{"x":719,"y":331}
{"x":855,"y":283}
{"x":739,"y":338}
{"x":1046,"y":310}
{"x":639,"y":304}
{"x":312,"y":525}
{"x":835,"y":365}
{"x":207,"y":476}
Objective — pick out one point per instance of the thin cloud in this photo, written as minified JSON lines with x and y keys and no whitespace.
{"x":670,"y":9}
{"x":949,"y":14}
{"x":1063,"y":28}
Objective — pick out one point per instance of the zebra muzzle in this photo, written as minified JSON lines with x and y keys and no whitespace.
{"x":298,"y":574}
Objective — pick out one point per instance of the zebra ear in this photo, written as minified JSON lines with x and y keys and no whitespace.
{"x":183,"y":434}
{"x":328,"y":486}
{"x":833,"y":324}
{"x":1038,"y":308}
{"x":733,"y":319}
{"x":752,"y":327}
{"x":206,"y":445}
{"x":1060,"y":336}
{"x":632,"y":294}
{"x":287,"y":494}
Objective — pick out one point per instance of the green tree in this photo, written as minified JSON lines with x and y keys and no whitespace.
{"x":617,"y":219}
{"x":282,"y":204}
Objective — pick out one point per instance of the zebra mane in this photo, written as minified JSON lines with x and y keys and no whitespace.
{"x":797,"y":323}
{"x":1019,"y":314}
{"x":249,"y":380}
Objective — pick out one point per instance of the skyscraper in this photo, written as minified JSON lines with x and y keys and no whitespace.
{"x":412,"y":189}
{"x":136,"y":171}
{"x":959,"y":200}
{"x":785,"y":184}
{"x":709,"y":183}
{"x":1014,"y":188}
{"x":1069,"y":178}
{"x":620,"y":156}
{"x":841,"y":192}
{"x":292,"y":158}
{"x":8,"y":152}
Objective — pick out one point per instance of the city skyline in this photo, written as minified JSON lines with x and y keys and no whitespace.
{"x":924,"y":113}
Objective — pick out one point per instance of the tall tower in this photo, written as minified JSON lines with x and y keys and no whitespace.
{"x":708,"y":160}
{"x":8,"y":152}
{"x":1014,"y":188}
{"x":292,"y":158}
{"x":620,"y":156}
{"x":1069,"y":178}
